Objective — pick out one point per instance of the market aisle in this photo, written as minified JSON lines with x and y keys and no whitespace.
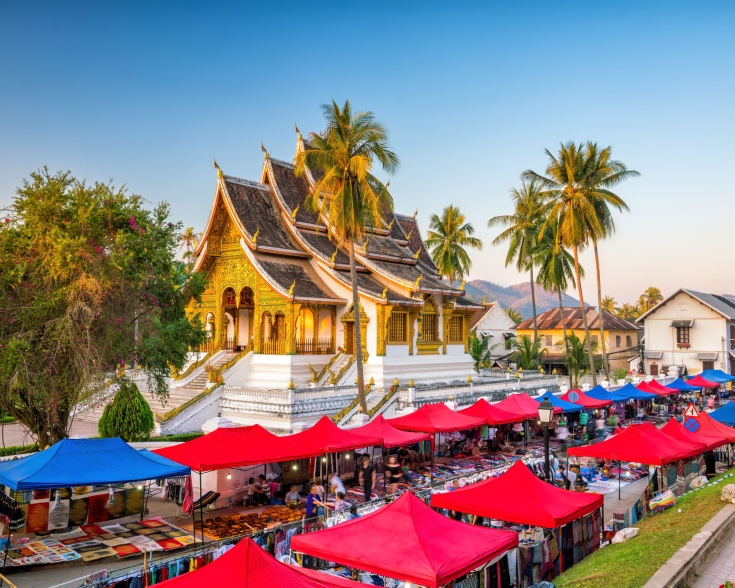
{"x":720,"y":567}
{"x":628,"y":496}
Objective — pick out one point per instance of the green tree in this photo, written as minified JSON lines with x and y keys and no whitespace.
{"x":447,"y":239}
{"x":522,"y":232}
{"x":608,"y":304}
{"x":556,"y":267}
{"x":481,"y":351}
{"x":602,"y":173}
{"x":577,"y":358}
{"x":89,"y":283}
{"x":128,"y":416}
{"x":514,"y":315}
{"x":653,"y":297}
{"x":575,"y":196}
{"x":347,"y":194}
{"x":527,"y":353}
{"x":627,"y":312}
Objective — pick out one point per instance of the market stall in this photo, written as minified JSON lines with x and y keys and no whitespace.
{"x":391,"y":437}
{"x":247,"y":565}
{"x":725,"y":414}
{"x":564,"y":405}
{"x":492,"y":413}
{"x":717,"y":376}
{"x":682,"y":386}
{"x":630,"y":392}
{"x":600,"y":393}
{"x":654,"y":387}
{"x":573,"y":520}
{"x":436,"y":418}
{"x":701,"y":382}
{"x":587,"y":401}
{"x":675,"y":429}
{"x":409,"y":541}
{"x":521,"y":403}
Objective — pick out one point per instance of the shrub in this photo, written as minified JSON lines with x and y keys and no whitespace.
{"x":128,"y":416}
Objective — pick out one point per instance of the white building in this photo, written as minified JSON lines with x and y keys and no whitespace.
{"x":691,"y":329}
{"x":493,"y":322}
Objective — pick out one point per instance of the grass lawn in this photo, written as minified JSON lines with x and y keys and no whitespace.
{"x":631,"y":564}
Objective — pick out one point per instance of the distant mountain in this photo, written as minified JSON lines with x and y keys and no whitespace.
{"x":517,"y":296}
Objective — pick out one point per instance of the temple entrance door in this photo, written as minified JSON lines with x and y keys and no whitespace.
{"x":350,"y":338}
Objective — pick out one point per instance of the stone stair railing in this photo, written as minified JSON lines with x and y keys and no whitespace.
{"x":320,"y":378}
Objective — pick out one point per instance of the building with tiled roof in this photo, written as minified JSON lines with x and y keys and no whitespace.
{"x":621,"y":336}
{"x":278,"y":283}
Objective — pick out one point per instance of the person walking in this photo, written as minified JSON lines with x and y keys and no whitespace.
{"x":393,"y":474}
{"x":367,"y":477}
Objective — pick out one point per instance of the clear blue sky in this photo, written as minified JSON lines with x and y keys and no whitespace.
{"x":147,"y":92}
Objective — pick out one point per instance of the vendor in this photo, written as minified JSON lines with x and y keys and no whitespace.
{"x":313,"y":501}
{"x":256,"y":494}
{"x":336,"y":485}
{"x":293,"y":497}
{"x":404,"y":457}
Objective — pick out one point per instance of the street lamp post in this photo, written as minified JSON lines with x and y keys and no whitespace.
{"x":545,"y":414}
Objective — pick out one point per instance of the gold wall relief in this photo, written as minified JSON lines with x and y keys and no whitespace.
{"x":384,"y":312}
{"x":348,"y":320}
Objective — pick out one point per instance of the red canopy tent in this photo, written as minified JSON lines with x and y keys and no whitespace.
{"x":517,"y":496}
{"x":491,"y":413}
{"x":436,"y":418}
{"x":408,"y":541}
{"x":391,"y":436}
{"x":653,"y":387}
{"x":522,"y":404}
{"x":587,"y":401}
{"x":249,"y":566}
{"x":326,"y":437}
{"x":235,"y":447}
{"x":641,"y":444}
{"x":675,"y":429}
{"x":711,"y":427}
{"x":700,"y":382}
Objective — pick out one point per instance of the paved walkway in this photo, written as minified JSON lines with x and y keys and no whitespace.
{"x":17,"y":434}
{"x":628,"y":496}
{"x":720,"y":566}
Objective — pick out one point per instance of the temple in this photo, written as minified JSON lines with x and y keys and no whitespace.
{"x":279,"y":285}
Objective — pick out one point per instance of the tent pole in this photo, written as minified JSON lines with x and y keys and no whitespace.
{"x":7,"y":547}
{"x":201,"y":510}
{"x":193,"y":514}
{"x":620,"y":475}
{"x":432,"y":461}
{"x":385,"y":483}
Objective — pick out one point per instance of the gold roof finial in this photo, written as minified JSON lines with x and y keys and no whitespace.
{"x":415,"y":214}
{"x":418,"y":281}
{"x":385,"y":292}
{"x":298,"y":132}
{"x":290,"y":290}
{"x":408,"y":237}
{"x":219,"y":171}
{"x":364,"y":245}
{"x":418,"y":252}
{"x":265,"y":151}
{"x":255,"y":235}
{"x":390,"y":226}
{"x":461,"y":287}
{"x":334,"y":255}
{"x":295,"y":210}
{"x":484,"y":301}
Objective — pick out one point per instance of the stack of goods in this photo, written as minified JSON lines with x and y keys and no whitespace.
{"x":242,"y":524}
{"x":92,"y":542}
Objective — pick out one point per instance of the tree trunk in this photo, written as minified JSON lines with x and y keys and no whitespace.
{"x":564,"y":329}
{"x":358,"y":332}
{"x":584,"y":317}
{"x":533,"y":304}
{"x":599,"y":308}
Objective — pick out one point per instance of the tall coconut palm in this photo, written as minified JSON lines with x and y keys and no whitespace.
{"x":347,"y":194}
{"x":577,"y":358}
{"x":526,"y":354}
{"x":514,"y":315}
{"x":627,"y":311}
{"x":522,"y":232}
{"x":608,"y":304}
{"x":189,"y":239}
{"x":653,"y":296}
{"x":565,"y":186}
{"x":601,"y":173}
{"x":556,"y":268}
{"x":446,"y":240}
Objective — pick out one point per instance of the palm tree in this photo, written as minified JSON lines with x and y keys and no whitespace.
{"x":522,"y":232}
{"x":653,"y":297}
{"x":577,"y":358}
{"x":627,"y":311}
{"x":576,"y":186}
{"x":608,"y":304}
{"x":514,"y":315}
{"x":480,"y":351}
{"x":556,"y":267}
{"x":347,"y":195}
{"x":603,"y":172}
{"x":526,"y":353}
{"x":189,"y":239}
{"x":447,"y":238}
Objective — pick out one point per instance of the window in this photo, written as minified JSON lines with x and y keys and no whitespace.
{"x":397,"y":323}
{"x":682,"y":336}
{"x":708,"y":365}
{"x":549,"y":341}
{"x":628,"y":341}
{"x":455,"y":329}
{"x":618,"y":340}
{"x":654,"y":369}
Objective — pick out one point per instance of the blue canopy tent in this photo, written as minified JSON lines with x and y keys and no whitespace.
{"x":559,"y":403}
{"x":630,"y":392}
{"x":725,"y":414}
{"x":717,"y":376}
{"x":87,"y":462}
{"x":680,"y":384}
{"x":601,"y":394}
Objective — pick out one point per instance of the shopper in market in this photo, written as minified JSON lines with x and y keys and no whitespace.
{"x":393,"y":474}
{"x":336,"y":485}
{"x":404,"y":457}
{"x":600,"y":427}
{"x":367,"y":477}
